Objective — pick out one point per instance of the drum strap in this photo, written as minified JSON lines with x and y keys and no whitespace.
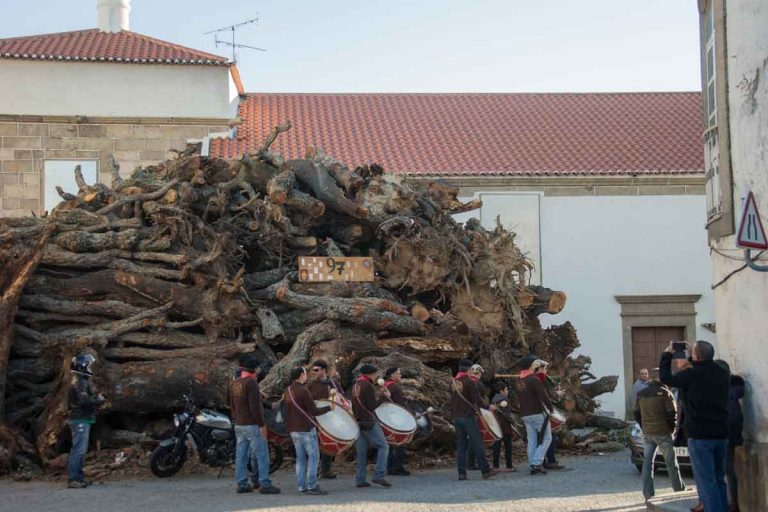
{"x":296,"y":405}
{"x":458,"y":391}
{"x":356,"y":394}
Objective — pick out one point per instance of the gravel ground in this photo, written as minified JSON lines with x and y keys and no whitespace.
{"x":591,"y":483}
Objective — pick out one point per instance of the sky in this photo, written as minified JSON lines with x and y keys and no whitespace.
{"x":418,"y":45}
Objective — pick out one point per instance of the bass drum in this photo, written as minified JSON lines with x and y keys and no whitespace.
{"x":397,"y":423}
{"x":490,"y":430}
{"x":557,"y":419}
{"x":337,"y":429}
{"x":423,"y":422}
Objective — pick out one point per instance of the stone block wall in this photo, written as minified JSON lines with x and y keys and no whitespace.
{"x":25,"y":145}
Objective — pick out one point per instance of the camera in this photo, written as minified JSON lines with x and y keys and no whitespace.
{"x":678,"y":346}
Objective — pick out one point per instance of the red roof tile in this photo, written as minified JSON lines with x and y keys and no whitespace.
{"x":98,"y":46}
{"x":530,"y":134}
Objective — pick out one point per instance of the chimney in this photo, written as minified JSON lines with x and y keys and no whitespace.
{"x":113,"y":15}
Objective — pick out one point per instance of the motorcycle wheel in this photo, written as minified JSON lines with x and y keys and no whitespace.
{"x":275,"y":457}
{"x":164,"y":464}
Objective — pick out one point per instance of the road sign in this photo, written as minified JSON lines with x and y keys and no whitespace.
{"x":314,"y":269}
{"x":751,"y":233}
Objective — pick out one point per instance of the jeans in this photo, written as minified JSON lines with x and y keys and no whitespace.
{"x":373,"y":437}
{"x":507,"y":440}
{"x":307,"y":457}
{"x":468,"y":436}
{"x":708,"y":460}
{"x":325,"y":463}
{"x":396,"y":460}
{"x":551,"y":457}
{"x":666,"y":446}
{"x":537,"y":451}
{"x":251,"y":446}
{"x":730,"y":476}
{"x":80,"y":433}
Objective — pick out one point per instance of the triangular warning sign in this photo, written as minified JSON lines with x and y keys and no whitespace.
{"x":751,"y":232}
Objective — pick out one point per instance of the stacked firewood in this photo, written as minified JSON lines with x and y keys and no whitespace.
{"x":172,"y":273}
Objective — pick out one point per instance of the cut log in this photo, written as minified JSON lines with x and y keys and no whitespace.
{"x":537,"y":300}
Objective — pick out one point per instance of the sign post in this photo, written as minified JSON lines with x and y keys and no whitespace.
{"x":751,"y":234}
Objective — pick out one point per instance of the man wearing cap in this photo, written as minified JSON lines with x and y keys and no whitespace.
{"x":535,"y":407}
{"x":250,"y":429}
{"x":466,"y":402}
{"x":476,"y":374}
{"x":364,"y":403}
{"x":396,"y":461}
{"x":320,"y":388}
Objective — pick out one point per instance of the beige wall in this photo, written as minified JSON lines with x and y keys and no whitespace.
{"x":29,"y":87}
{"x":25,"y":146}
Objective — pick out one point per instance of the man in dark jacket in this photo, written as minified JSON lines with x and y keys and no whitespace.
{"x":535,"y":406}
{"x":736,"y":437}
{"x":364,"y":403}
{"x":465,"y":406}
{"x":82,"y":414}
{"x":396,"y":461}
{"x":320,"y":387}
{"x":503,"y":413}
{"x":300,"y":412}
{"x":656,"y":413}
{"x":705,"y":387}
{"x":250,"y":429}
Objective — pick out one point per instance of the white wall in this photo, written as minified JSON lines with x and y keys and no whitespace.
{"x":742,"y":299}
{"x":115,"y":90}
{"x":597,"y":247}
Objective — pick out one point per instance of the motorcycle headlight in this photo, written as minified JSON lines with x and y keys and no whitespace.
{"x":176,"y":420}
{"x":179,"y":419}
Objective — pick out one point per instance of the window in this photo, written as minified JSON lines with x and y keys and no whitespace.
{"x":62,"y":173}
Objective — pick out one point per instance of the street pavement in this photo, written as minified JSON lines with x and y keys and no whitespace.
{"x":591,"y":483}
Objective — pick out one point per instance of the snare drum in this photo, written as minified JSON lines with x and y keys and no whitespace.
{"x":337,"y":429}
{"x":397,"y":422}
{"x":490,"y":430}
{"x":557,"y":420}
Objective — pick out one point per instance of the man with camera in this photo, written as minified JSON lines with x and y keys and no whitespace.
{"x":705,"y":387}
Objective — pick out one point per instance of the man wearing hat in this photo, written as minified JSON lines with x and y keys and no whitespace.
{"x":364,"y":403}
{"x":535,"y":407}
{"x":465,"y":404}
{"x":250,"y":429}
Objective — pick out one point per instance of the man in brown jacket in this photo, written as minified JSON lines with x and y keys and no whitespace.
{"x":250,"y":429}
{"x":364,"y":403}
{"x":465,"y":406}
{"x":320,"y":387}
{"x":656,"y":413}
{"x":300,"y":415}
{"x":535,"y":406}
{"x":396,"y":461}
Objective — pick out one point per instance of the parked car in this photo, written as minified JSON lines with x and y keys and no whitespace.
{"x":636,"y":448}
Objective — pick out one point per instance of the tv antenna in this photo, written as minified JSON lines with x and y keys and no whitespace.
{"x":234,"y":45}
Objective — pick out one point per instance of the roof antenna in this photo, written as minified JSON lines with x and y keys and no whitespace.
{"x":233,"y":44}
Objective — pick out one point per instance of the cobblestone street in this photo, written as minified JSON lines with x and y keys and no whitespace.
{"x":595,"y":483}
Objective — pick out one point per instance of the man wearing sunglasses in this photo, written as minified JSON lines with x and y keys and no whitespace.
{"x":320,"y":388}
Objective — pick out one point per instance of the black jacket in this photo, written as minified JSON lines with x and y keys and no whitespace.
{"x":82,"y":402}
{"x":735,"y":416}
{"x":706,"y":388}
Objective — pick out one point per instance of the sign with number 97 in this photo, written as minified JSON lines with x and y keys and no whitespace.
{"x":319,"y":269}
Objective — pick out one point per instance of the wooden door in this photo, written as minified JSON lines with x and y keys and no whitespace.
{"x":649,"y":342}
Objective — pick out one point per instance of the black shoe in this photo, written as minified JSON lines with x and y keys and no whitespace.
{"x":317,"y":491}
{"x":490,"y":474}
{"x":553,"y":467}
{"x":381,"y":482}
{"x":244,"y":489}
{"x":88,"y":483}
{"x":362,"y":484}
{"x":538,"y":470}
{"x":462,"y":477}
{"x":269,"y":490}
{"x":76,"y":484}
{"x":328,"y":476}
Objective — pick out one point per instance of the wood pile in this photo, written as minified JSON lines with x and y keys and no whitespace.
{"x":172,"y":273}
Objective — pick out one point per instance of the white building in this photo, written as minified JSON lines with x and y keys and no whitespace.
{"x":734,"y":53}
{"x":605,"y":191}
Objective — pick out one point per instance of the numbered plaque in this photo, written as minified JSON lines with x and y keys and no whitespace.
{"x":319,"y":269}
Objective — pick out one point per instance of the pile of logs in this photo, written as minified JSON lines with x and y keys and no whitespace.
{"x":170,"y":274}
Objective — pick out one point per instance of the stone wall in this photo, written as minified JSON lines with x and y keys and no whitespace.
{"x":25,"y":145}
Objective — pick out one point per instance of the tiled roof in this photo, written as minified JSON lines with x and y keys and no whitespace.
{"x":94,"y":45}
{"x":529,"y":134}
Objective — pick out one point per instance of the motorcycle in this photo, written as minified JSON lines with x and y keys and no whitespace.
{"x":211,"y":434}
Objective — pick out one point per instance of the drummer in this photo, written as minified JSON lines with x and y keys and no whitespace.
{"x":300,"y":412}
{"x":535,"y":407}
{"x":320,"y":388}
{"x":396,"y":461}
{"x":364,"y":403}
{"x":465,"y":405}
